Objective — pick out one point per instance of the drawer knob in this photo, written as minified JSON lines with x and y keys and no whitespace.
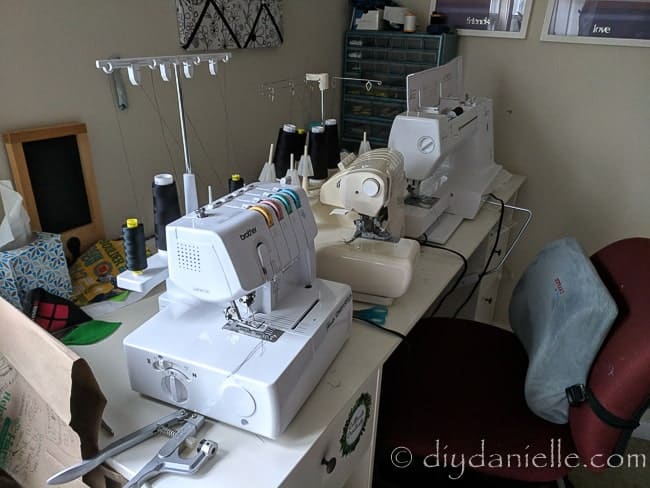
{"x":329,"y":464}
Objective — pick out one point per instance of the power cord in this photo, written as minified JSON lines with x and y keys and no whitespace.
{"x":381,"y":327}
{"x":426,"y":243}
{"x":489,"y":259}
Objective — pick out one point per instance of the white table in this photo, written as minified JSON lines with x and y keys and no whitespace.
{"x":294,"y":459}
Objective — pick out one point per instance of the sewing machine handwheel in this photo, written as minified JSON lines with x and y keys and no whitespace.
{"x":207,"y":447}
{"x":329,"y":464}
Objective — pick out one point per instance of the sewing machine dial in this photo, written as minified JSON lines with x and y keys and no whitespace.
{"x":174,"y":386}
{"x":238,"y":399}
{"x":426,"y":144}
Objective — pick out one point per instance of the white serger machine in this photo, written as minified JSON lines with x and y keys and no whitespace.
{"x":447,"y":142}
{"x":375,"y":261}
{"x":245,"y":329}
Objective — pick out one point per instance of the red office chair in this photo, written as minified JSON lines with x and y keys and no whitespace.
{"x":462,"y":383}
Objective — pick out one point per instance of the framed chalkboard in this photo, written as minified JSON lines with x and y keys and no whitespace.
{"x":52,"y":170}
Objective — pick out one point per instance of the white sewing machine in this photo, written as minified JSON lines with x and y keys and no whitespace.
{"x":373,"y":259}
{"x":245,"y":329}
{"x":448,"y":147}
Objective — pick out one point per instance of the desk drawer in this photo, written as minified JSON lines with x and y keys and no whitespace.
{"x":346,"y":441}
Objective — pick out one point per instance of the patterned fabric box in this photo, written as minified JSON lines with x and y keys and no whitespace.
{"x":40,"y":264}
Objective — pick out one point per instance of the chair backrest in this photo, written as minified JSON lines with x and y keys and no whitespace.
{"x":620,"y":375}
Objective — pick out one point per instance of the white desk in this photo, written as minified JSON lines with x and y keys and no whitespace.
{"x":294,"y":459}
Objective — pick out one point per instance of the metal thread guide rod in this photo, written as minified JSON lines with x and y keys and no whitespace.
{"x":164,"y":64}
{"x":189,"y":180}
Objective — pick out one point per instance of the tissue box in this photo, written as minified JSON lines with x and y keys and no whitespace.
{"x":39,"y":264}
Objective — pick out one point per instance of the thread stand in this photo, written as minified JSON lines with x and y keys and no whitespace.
{"x":166,"y":65}
{"x":156,"y":273}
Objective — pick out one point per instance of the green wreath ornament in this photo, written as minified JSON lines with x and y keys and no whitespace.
{"x":355,"y":425}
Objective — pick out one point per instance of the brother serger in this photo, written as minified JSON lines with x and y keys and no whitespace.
{"x":245,"y":330}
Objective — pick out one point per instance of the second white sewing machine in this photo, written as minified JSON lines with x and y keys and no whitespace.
{"x":373,"y":258}
{"x":447,"y":142}
{"x":245,"y":329}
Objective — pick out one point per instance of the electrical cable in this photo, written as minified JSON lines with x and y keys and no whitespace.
{"x":430,"y":244}
{"x":381,"y":327}
{"x":489,"y":259}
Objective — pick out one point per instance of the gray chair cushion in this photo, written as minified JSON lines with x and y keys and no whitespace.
{"x":561,"y":312}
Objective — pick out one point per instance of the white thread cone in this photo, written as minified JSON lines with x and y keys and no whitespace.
{"x":267,"y":175}
{"x":292,"y":177}
{"x":305,"y":169}
{"x":364,"y":146}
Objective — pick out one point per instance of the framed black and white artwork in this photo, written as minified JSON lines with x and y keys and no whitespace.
{"x":205,"y":25}
{"x":487,"y":18}
{"x":619,"y":22}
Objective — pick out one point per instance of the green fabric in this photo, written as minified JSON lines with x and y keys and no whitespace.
{"x":90,"y":333}
{"x":121,"y":297}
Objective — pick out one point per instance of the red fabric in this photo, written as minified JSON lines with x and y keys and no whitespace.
{"x":462,"y":382}
{"x":620,"y":375}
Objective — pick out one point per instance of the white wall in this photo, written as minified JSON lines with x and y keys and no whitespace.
{"x":575,"y":119}
{"x":48,"y":52}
